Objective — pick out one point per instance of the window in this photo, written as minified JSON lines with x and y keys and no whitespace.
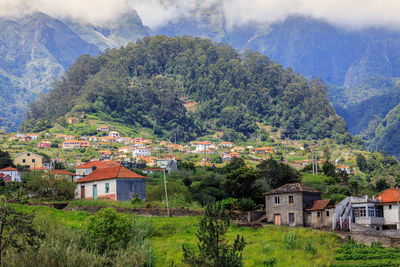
{"x":132,"y":187}
{"x":107,"y":187}
{"x":390,"y":207}
{"x":318,"y":213}
{"x":23,"y":160}
{"x":33,"y":160}
{"x":363,"y":212}
{"x":29,"y":154}
{"x":327,"y":213}
{"x":291,"y":200}
{"x":371,"y":212}
{"x":277,"y":201}
{"x":379,"y":211}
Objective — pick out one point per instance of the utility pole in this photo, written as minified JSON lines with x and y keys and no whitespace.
{"x":312,"y":160}
{"x":166,"y":194}
{"x":316,"y":165}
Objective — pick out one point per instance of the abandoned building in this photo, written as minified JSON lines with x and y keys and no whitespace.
{"x":286,"y":205}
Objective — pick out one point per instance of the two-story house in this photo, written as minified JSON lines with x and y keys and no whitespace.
{"x":286,"y":205}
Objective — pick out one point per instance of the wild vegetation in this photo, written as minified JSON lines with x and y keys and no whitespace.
{"x":144,"y":85}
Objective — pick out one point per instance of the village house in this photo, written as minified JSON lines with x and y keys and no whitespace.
{"x":320,"y":213}
{"x":33,"y":160}
{"x":225,"y":144}
{"x":356,"y":211}
{"x":44,"y":144}
{"x":141,"y":152}
{"x":103,"y":128}
{"x":389,"y":200}
{"x":65,"y":174}
{"x":93,"y":138}
{"x":13,"y":173}
{"x":88,"y":167}
{"x":142,"y":140}
{"x":167,"y":163}
{"x":152,"y":170}
{"x":116,"y":183}
{"x":264,"y":150}
{"x":114,"y":134}
{"x":286,"y":205}
{"x":72,"y":120}
{"x":75,"y":144}
{"x":202,"y":146}
{"x":230,"y":155}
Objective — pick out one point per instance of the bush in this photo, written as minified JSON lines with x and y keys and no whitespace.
{"x":229,"y":203}
{"x":50,"y":188}
{"x":269,"y":262}
{"x":309,"y":247}
{"x":136,"y":199}
{"x":246,"y":204}
{"x":108,"y":230}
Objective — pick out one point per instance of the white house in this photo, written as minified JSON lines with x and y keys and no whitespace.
{"x":141,"y":152}
{"x":115,"y":183}
{"x":13,"y":173}
{"x":201,"y":146}
{"x":114,"y":134}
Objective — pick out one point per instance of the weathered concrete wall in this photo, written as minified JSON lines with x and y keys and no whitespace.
{"x":124,"y":189}
{"x":284,"y":208}
{"x":369,"y":238}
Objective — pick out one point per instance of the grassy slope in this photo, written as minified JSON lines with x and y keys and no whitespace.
{"x":170,"y":234}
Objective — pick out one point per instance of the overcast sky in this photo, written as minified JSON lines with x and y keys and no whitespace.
{"x":348,"y":13}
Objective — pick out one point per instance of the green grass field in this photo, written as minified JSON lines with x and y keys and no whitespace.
{"x":169,"y":234}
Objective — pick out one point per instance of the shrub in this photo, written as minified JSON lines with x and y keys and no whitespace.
{"x":229,"y":203}
{"x":246,"y":204}
{"x":269,"y":262}
{"x":51,"y":188}
{"x":108,"y":230}
{"x":136,"y":199}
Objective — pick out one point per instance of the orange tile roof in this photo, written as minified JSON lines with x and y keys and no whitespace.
{"x":320,"y":204}
{"x":9,"y":169}
{"x":388,"y":196}
{"x":111,"y":173}
{"x":61,"y":172}
{"x":98,"y":164}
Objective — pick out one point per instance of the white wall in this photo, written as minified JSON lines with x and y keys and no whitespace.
{"x":101,"y":189}
{"x":390,"y":215}
{"x":15,"y":175}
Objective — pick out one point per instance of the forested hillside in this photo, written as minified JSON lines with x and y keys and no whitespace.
{"x":144,"y":85}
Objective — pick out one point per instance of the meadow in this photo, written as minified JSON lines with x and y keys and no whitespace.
{"x":267,"y":246}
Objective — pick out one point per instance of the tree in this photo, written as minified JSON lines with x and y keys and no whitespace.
{"x":17,"y":231}
{"x":213,"y":248}
{"x":51,"y":188}
{"x":241,"y":183}
{"x":215,"y":158}
{"x":329,"y":169}
{"x":108,"y":230}
{"x":326,"y":153}
{"x":5,"y":160}
{"x":276,"y":173}
{"x":362,"y":163}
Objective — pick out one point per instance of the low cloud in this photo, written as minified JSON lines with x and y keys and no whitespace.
{"x":154,"y":13}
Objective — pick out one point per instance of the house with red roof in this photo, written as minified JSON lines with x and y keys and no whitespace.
{"x":13,"y":173}
{"x":389,"y":200}
{"x":320,"y":213}
{"x":115,"y":183}
{"x":88,"y":167}
{"x":64,"y":174}
{"x":203,"y":146}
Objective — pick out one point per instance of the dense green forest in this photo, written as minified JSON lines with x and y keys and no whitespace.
{"x":144,"y":85}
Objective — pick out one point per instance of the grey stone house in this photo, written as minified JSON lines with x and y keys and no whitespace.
{"x":286,"y":204}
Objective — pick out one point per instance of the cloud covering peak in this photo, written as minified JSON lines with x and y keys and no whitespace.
{"x":154,"y":13}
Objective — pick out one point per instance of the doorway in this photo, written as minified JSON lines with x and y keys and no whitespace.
{"x":82,"y":191}
{"x":277,"y":219}
{"x":94,"y":191}
{"x":291,"y":219}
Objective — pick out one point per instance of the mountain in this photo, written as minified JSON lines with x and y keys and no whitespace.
{"x":36,"y":49}
{"x":147,"y":84}
{"x":386,"y":136}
